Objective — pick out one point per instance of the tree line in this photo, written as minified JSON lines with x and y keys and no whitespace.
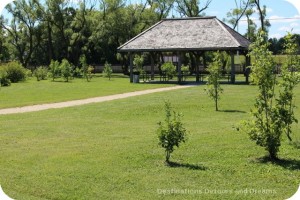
{"x":37,"y":31}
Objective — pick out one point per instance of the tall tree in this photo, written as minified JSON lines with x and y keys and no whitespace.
{"x":237,"y":13}
{"x":23,"y":29}
{"x":262,"y":11}
{"x":162,"y":7}
{"x":191,"y":8}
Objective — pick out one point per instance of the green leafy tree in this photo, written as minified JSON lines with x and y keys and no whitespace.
{"x":213,"y":87}
{"x":23,"y":30}
{"x":86,"y":69}
{"x":169,"y":69}
{"x":290,"y":78}
{"x":138,"y":63}
{"x":65,"y":69}
{"x":266,"y":125}
{"x":4,"y":80}
{"x":191,"y":8}
{"x":172,"y":133}
{"x":54,"y":71}
{"x":40,"y":73}
{"x":107,"y":70}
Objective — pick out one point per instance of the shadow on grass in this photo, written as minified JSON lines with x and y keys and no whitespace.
{"x":185,"y":165}
{"x":289,"y":164}
{"x":232,"y":111}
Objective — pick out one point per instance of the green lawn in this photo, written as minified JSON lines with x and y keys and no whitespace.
{"x":109,"y":151}
{"x":33,"y":92}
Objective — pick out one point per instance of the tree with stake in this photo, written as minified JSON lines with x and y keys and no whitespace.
{"x":172,"y":133}
{"x":213,"y":86}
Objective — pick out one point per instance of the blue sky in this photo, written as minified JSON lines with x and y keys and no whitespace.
{"x":284,"y":16}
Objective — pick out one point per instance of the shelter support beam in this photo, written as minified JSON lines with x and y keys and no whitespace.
{"x":179,"y":54}
{"x":197,"y":56}
{"x":152,"y":66}
{"x":232,"y":72}
{"x":247,"y":70}
{"x":131,"y":67}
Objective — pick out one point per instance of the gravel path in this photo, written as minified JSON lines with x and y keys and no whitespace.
{"x":85,"y":101}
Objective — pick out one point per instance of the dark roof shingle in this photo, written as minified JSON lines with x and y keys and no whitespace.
{"x":205,"y":33}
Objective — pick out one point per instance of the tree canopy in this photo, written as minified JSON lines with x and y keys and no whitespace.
{"x":37,"y":31}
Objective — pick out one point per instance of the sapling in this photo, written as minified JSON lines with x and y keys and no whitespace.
{"x":213,"y":88}
{"x":171,"y":133}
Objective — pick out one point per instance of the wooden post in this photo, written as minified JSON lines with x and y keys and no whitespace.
{"x":179,"y":66}
{"x":232,"y":73}
{"x":247,"y":70}
{"x":131,"y":67}
{"x":197,"y":67}
{"x":152,"y":66}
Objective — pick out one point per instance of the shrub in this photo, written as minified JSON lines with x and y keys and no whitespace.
{"x":170,"y":70}
{"x":15,"y":72}
{"x":4,"y":80}
{"x":107,"y":70}
{"x":172,"y":133}
{"x":65,"y":69}
{"x":40,"y":73}
{"x":54,"y":69}
{"x":185,"y":71}
{"x":138,"y":62}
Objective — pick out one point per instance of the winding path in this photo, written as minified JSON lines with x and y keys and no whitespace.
{"x":85,"y":101}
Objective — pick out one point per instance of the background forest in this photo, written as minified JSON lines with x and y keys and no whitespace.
{"x":34,"y":32}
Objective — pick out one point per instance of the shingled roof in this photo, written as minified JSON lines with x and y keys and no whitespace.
{"x":187,"y":34}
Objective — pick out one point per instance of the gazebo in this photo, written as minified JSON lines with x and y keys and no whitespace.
{"x":184,"y":35}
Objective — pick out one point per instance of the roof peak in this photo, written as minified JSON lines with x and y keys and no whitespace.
{"x":189,"y":18}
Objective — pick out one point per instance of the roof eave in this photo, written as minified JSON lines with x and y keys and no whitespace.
{"x":183,"y":49}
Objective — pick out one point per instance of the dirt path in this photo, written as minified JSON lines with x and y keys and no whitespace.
{"x":85,"y":101}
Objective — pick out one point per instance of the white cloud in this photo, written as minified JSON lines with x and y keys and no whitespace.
{"x":269,"y":10}
{"x":279,"y":19}
{"x":276,"y":35}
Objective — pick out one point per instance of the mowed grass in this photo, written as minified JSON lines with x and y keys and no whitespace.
{"x":32,"y":92}
{"x":109,"y":151}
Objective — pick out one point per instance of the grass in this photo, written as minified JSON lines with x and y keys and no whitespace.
{"x":109,"y":151}
{"x":33,"y":92}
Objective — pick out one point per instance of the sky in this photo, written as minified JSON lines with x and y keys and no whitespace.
{"x":284,"y":15}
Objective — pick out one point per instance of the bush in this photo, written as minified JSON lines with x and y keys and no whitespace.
{"x":15,"y":72}
{"x":185,"y":71}
{"x":65,"y":69}
{"x":107,"y":70}
{"x":4,"y":80}
{"x":138,"y":62}
{"x":170,"y":70}
{"x":54,"y":69}
{"x":40,"y":73}
{"x":172,"y":133}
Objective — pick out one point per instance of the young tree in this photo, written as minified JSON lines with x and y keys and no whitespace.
{"x":266,"y":126}
{"x":213,"y":86}
{"x":107,"y":70}
{"x":85,"y":68}
{"x":290,"y":79}
{"x":172,"y":133}
{"x":66,"y":69}
{"x":54,"y":70}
